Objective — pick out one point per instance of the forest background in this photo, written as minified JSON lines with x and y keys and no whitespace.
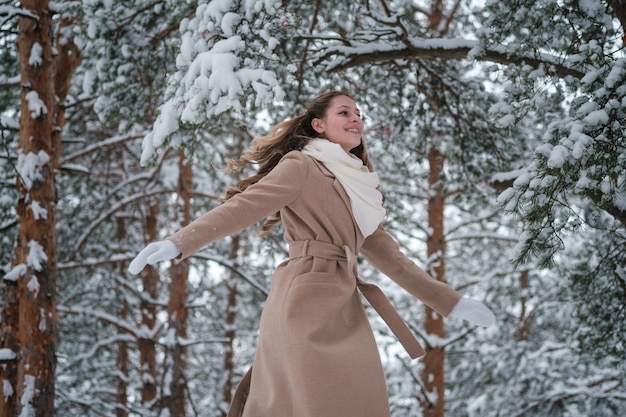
{"x":497,"y":128}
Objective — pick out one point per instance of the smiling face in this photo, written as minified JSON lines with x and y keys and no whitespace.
{"x":342,"y":123}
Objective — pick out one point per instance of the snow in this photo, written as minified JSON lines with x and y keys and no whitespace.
{"x":39,"y":212}
{"x":17,"y":272}
{"x":36,"y":257}
{"x":507,"y":176}
{"x":10,"y":122}
{"x":7,"y":388}
{"x":581,"y":144}
{"x":165,"y":124}
{"x":36,"y":106}
{"x":506,"y":121}
{"x":229,"y":23}
{"x":616,"y":75}
{"x":597,"y":118}
{"x":7,"y":355}
{"x":36,"y":52}
{"x":558,"y":156}
{"x":587,"y":108}
{"x":27,"y":397}
{"x":33,"y":284}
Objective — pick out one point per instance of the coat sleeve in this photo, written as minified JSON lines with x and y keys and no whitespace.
{"x":277,"y":189}
{"x":384,"y":254}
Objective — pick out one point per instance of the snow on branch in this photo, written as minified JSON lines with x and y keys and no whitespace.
{"x":8,"y":13}
{"x":342,"y":57}
{"x":138,"y":333}
{"x":107,"y":216}
{"x":112,"y":141}
{"x":100,"y":344}
{"x":221,"y":261}
{"x":223,"y":65}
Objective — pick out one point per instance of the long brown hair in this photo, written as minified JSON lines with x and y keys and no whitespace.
{"x":287,"y":136}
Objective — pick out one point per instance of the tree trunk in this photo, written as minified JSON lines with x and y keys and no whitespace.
{"x":433,"y":371}
{"x":122,"y":359}
{"x":177,"y":310}
{"x":524,"y":320}
{"x":147,"y":346}
{"x":29,"y":316}
{"x":121,"y":394}
{"x":231,"y":316}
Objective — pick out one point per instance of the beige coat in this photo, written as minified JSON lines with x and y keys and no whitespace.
{"x":316,"y":354}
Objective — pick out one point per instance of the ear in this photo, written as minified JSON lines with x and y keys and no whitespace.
{"x":318,"y":125}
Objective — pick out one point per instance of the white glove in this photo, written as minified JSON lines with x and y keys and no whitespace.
{"x":153,"y":253}
{"x":473,"y":311}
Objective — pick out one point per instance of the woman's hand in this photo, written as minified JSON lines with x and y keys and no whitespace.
{"x":153,"y":253}
{"x":473,"y":311}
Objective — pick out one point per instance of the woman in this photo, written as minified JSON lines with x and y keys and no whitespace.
{"x":316,"y":354}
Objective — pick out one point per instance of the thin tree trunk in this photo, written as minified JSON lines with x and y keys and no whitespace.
{"x":122,"y":359}
{"x":121,"y":394}
{"x":433,"y":371}
{"x":177,"y":310}
{"x":29,"y":315}
{"x":433,"y":376}
{"x":231,"y":316}
{"x":524,"y":322}
{"x":147,"y":346}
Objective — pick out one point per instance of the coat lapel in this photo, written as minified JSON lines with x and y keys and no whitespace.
{"x":340,"y":191}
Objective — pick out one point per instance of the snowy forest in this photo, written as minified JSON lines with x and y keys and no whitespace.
{"x":497,"y":128}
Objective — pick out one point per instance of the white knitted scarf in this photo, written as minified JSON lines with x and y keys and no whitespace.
{"x":358,"y":182}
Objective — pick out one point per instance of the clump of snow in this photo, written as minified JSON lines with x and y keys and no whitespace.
{"x":597,"y":118}
{"x":7,"y":388}
{"x":229,"y":23}
{"x":558,"y":156}
{"x":39,"y":212}
{"x":17,"y":272}
{"x":36,"y":106}
{"x":507,"y":176}
{"x":37,"y":257}
{"x":506,"y":121}
{"x":29,"y":167}
{"x":587,"y":108}
{"x":35,"y":59}
{"x":27,"y":397}
{"x":7,"y":355}
{"x":33,"y":284}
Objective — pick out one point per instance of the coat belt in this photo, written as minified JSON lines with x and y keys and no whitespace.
{"x":371,"y":292}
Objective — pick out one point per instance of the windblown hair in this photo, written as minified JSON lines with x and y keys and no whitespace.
{"x":287,"y":136}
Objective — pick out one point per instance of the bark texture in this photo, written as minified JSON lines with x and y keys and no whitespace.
{"x":433,"y":370}
{"x":29,"y":317}
{"x":147,"y":345}
{"x":174,"y":401}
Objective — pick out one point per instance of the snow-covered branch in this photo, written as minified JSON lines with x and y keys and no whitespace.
{"x":221,"y":261}
{"x":113,"y":141}
{"x":107,"y":215}
{"x":138,"y":333}
{"x":342,"y":57}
